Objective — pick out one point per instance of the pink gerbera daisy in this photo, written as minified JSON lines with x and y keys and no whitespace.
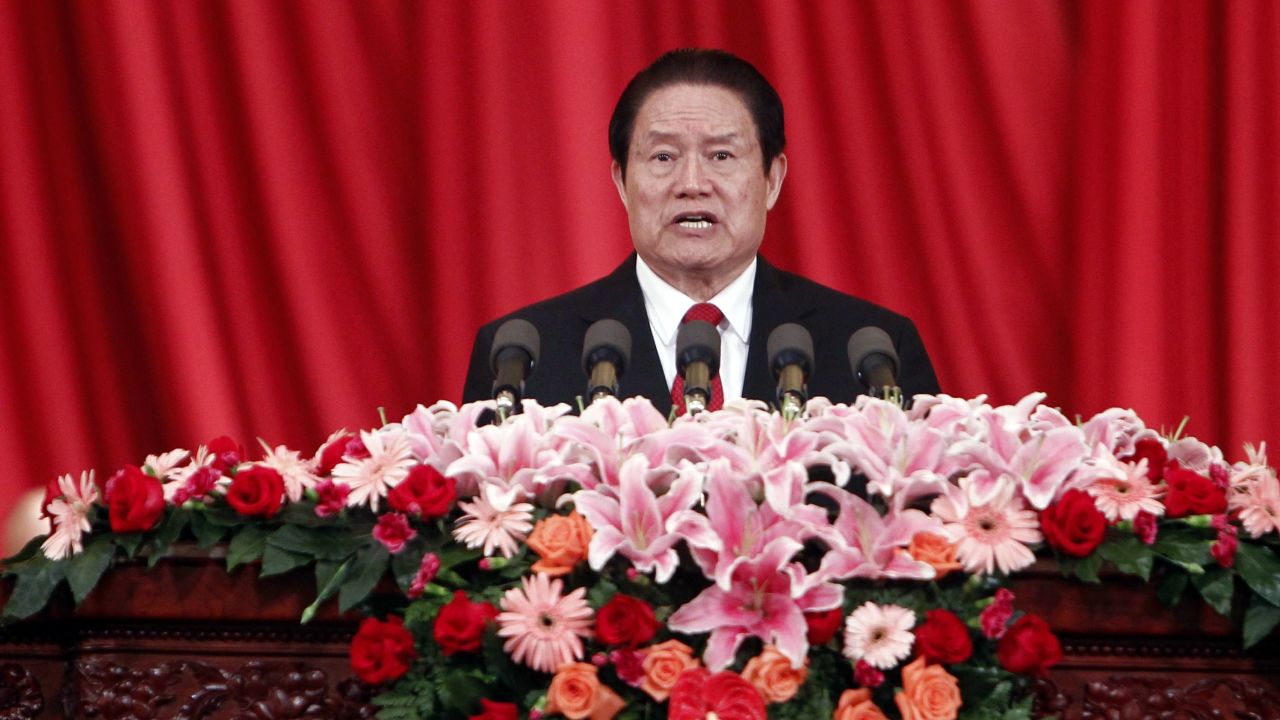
{"x":1122,"y":498}
{"x":879,"y":635}
{"x":70,"y":514}
{"x":1258,"y":505}
{"x":494,"y":519}
{"x":991,"y":535}
{"x":370,"y":478}
{"x":298,"y":474}
{"x":544,"y":630}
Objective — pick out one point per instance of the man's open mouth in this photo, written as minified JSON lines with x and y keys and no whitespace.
{"x":695,"y":221}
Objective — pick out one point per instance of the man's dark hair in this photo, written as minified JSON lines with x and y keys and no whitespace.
{"x":696,"y":66}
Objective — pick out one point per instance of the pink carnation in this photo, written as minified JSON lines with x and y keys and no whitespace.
{"x":393,"y":531}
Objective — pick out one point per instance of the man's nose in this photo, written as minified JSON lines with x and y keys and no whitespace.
{"x":694,"y":179}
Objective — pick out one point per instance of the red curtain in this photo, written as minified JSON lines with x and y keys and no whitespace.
{"x":269,"y":219}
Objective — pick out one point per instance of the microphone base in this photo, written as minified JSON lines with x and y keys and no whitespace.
{"x":792,"y":405}
{"x":695,"y":402}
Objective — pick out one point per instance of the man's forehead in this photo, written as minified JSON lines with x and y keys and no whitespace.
{"x":709,"y":112}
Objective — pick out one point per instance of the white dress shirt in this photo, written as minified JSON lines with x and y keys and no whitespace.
{"x":666,"y":307}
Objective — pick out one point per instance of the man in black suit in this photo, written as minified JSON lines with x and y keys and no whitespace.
{"x":697,"y":140}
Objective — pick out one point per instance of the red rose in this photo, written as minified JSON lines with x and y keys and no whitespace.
{"x":382,"y":651}
{"x":256,"y":491}
{"x":624,"y":620}
{"x":496,"y":711}
{"x":330,"y":454}
{"x":425,"y":492}
{"x":726,"y":694}
{"x":823,"y":625}
{"x":1029,"y":647}
{"x":944,"y":638}
{"x":1191,"y":493}
{"x":1153,"y":451}
{"x":226,"y":452}
{"x":1073,"y":525}
{"x":460,"y":625}
{"x":135,"y":500}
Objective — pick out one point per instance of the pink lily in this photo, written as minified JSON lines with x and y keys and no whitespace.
{"x":868,"y":545}
{"x":642,"y":526}
{"x":744,"y":528}
{"x":767,"y":598}
{"x":1040,"y":465}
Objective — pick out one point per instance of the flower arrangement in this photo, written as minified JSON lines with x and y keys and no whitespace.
{"x":848,"y":562}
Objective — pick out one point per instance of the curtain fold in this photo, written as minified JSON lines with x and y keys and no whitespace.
{"x":270,"y":219}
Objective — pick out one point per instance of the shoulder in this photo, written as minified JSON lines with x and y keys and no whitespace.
{"x":829,"y":306}
{"x":585,"y":301}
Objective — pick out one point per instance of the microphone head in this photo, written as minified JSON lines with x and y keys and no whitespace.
{"x":790,"y":344}
{"x":698,"y":340}
{"x":870,"y":341}
{"x":515,"y":334}
{"x":606,"y":340}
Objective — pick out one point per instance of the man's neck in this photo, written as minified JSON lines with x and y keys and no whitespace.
{"x":699,"y":286}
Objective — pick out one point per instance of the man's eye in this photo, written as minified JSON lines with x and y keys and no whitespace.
{"x":662,"y":157}
{"x":721,"y":155}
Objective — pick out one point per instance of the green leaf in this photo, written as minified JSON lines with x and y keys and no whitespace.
{"x":1184,"y":546}
{"x":304,"y":515}
{"x":277,"y":562}
{"x":1171,"y":587}
{"x":168,"y":532}
{"x":1216,"y":586}
{"x":1259,"y":620}
{"x":246,"y":546}
{"x":1130,"y":556}
{"x":452,"y":555}
{"x":1260,"y":568}
{"x":405,"y":564}
{"x":207,"y":534}
{"x":220,"y":515}
{"x":1085,"y":568}
{"x":84,"y":570}
{"x":129,"y":543}
{"x":36,"y":580}
{"x":369,"y":567}
{"x":329,"y":577}
{"x":320,"y":543}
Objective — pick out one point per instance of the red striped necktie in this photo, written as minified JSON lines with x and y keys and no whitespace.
{"x":708,"y":313}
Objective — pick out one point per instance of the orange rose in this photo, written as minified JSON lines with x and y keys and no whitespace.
{"x":577,"y":694}
{"x":935,"y":550}
{"x":773,"y":676}
{"x":663,"y":664}
{"x":857,"y":705}
{"x":561,"y":541}
{"x":929,"y":692}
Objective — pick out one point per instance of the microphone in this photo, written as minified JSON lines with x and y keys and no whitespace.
{"x":606,"y":350}
{"x":873,"y":359}
{"x":791,"y":360}
{"x":512,"y":358}
{"x":697,"y":360}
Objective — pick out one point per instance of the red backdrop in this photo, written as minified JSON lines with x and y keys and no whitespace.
{"x":271,"y":218}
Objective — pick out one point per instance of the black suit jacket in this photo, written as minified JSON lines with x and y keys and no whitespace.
{"x":779,"y":297}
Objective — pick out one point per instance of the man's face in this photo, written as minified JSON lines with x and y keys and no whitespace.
{"x":695,"y":190}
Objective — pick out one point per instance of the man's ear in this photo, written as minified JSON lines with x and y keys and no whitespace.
{"x":620,"y":182}
{"x":777,"y":173}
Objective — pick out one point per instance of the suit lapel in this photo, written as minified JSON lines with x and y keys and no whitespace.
{"x":624,"y":302}
{"x":771,"y":306}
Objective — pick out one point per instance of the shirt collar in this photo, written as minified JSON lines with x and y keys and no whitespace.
{"x":667,"y":305}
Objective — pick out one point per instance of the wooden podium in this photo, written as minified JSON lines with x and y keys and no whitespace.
{"x":188,"y":640}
